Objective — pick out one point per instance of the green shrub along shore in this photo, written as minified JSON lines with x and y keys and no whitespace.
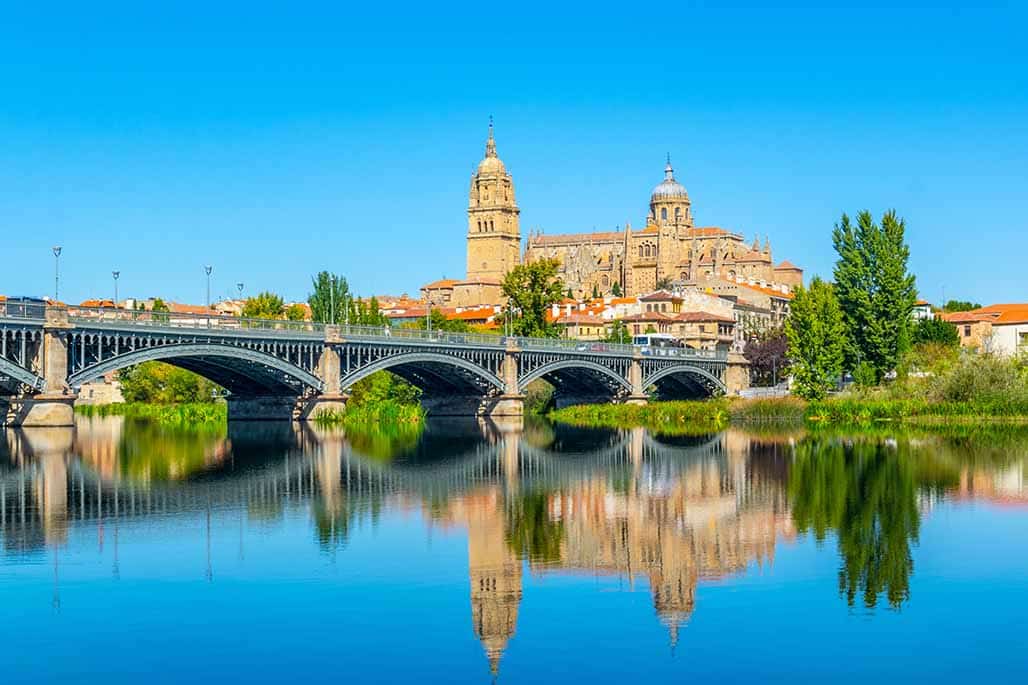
{"x":185,"y":414}
{"x":706,"y":415}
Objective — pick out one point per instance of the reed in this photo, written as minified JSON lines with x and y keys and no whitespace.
{"x":188,"y":414}
{"x":385,"y":412}
{"x":662,"y":417}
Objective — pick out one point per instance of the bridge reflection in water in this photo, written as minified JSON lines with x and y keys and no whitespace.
{"x":666,"y":513}
{"x":624,"y":503}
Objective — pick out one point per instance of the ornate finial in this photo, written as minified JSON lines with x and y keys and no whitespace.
{"x":669,"y":173}
{"x":490,"y":144}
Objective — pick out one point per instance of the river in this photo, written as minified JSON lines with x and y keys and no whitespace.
{"x":475,"y":552}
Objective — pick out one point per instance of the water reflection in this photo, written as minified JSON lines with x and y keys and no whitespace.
{"x":665,"y":513}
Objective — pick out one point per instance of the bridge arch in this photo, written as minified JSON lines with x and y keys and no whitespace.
{"x":240,"y":370}
{"x":425,"y":370}
{"x":20,"y":374}
{"x":697,"y":376}
{"x":555,"y":367}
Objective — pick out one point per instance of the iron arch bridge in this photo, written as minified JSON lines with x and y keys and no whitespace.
{"x":300,"y":364}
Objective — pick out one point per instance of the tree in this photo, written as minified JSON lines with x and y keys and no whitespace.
{"x":159,"y":383}
{"x":295,"y":312}
{"x":664,"y":283}
{"x":265,"y":305}
{"x":331,"y":296}
{"x":615,"y":289}
{"x":815,"y":332}
{"x":935,"y":331}
{"x":441,"y":323}
{"x":766,"y":354}
{"x":874,"y":289}
{"x":596,"y":291}
{"x":160,"y":310}
{"x":618,"y":332}
{"x":960,"y":306}
{"x":532,"y":289}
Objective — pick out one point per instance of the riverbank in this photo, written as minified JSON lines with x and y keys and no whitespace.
{"x":707,"y":415}
{"x":186,"y":414}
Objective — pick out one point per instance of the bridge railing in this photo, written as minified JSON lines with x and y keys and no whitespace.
{"x":387,"y":333}
{"x":199,"y":320}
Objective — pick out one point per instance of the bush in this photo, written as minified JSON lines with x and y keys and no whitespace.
{"x":159,"y":383}
{"x":982,"y":378}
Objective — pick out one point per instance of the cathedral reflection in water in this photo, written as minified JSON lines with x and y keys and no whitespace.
{"x":666,"y":513}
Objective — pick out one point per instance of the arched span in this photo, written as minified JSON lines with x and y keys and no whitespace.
{"x":687,"y":369}
{"x":9,"y":368}
{"x":415,"y":358}
{"x":173,"y":353}
{"x":572,"y":364}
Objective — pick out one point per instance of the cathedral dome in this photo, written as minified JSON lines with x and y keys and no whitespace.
{"x":669,"y":188}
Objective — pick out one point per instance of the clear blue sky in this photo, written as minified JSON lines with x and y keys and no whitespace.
{"x":273,"y":143}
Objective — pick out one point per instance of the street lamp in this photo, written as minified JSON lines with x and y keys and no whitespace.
{"x":332,"y":299}
{"x":240,"y":287}
{"x":117,"y":275}
{"x":57,"y":271}
{"x":208,"y":269}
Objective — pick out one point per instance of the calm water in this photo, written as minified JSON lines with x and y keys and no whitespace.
{"x":475,"y":552}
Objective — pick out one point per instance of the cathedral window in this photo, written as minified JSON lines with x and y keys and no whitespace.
{"x":678,"y":213}
{"x":663,"y":213}
{"x":640,"y":251}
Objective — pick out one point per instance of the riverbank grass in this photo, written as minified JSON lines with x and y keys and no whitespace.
{"x":185,"y":414}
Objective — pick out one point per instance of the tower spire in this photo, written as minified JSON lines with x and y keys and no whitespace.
{"x":490,"y":143}
{"x":669,"y":173}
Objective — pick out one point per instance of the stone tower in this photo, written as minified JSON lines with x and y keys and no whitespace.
{"x":669,"y":202}
{"x":494,"y":233}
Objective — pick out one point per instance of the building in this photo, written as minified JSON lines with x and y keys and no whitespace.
{"x":670,"y":248}
{"x":998,"y":328}
{"x":697,"y":330}
{"x":922,"y":310}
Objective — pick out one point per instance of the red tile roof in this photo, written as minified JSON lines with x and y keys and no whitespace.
{"x":786,"y":265}
{"x":1000,"y":314}
{"x":659,"y":296}
{"x":440,"y":284}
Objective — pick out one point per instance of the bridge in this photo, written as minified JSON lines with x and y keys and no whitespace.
{"x":275,"y":369}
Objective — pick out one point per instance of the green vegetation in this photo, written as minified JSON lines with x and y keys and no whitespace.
{"x":160,"y":383}
{"x":816,"y":338}
{"x":960,"y":306}
{"x":530,"y":531}
{"x":440,"y":323}
{"x":766,"y":354}
{"x":875,"y":291}
{"x":532,"y":289}
{"x":538,"y":397}
{"x":935,"y":331}
{"x":265,"y":305}
{"x":190,"y":415}
{"x":661,"y":417}
{"x":329,"y":299}
{"x":618,"y":333}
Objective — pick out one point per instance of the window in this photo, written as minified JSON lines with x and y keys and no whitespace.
{"x":640,"y":252}
{"x":967,"y":331}
{"x":678,"y":213}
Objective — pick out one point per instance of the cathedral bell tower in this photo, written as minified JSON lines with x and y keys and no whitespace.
{"x":494,"y":233}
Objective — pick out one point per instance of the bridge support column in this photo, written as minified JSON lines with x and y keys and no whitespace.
{"x":512,"y":401}
{"x":267,"y":408}
{"x":54,"y":407}
{"x":635,"y":377}
{"x":332,"y":399}
{"x":737,"y":374}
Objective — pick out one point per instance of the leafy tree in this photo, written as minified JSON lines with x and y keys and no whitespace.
{"x":664,"y":283}
{"x":874,"y":289}
{"x":766,"y":354}
{"x":380,"y":387}
{"x":571,"y":294}
{"x":532,"y":289}
{"x":295,"y":312}
{"x":615,"y":289}
{"x":960,"y":306}
{"x":323,"y":302}
{"x":159,"y":383}
{"x":815,"y":334}
{"x":265,"y":305}
{"x":935,"y":331}
{"x":441,"y":323}
{"x":160,"y":310}
{"x":618,"y":332}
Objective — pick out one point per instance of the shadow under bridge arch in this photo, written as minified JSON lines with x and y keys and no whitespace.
{"x":578,"y":381}
{"x":685,"y":381}
{"x":438,"y":375}
{"x":243,"y":372}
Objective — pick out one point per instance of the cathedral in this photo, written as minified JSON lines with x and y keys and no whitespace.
{"x":669,"y":249}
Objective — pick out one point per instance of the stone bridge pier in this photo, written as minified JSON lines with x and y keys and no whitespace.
{"x":54,"y":405}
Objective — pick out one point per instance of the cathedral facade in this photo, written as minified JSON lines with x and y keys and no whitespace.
{"x":669,"y":249}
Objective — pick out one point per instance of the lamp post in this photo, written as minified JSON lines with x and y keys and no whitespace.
{"x":57,"y":271}
{"x":332,"y":299}
{"x":116,"y":275}
{"x":239,"y":286}
{"x":208,"y":269}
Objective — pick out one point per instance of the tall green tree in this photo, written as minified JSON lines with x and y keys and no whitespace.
{"x":875,"y":290}
{"x":265,"y":305}
{"x":295,"y":312}
{"x":935,"y":330}
{"x":815,"y":334}
{"x":960,"y":306}
{"x":615,"y":290}
{"x":532,"y":289}
{"x":618,"y":332}
{"x":159,"y":383}
{"x":330,"y":296}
